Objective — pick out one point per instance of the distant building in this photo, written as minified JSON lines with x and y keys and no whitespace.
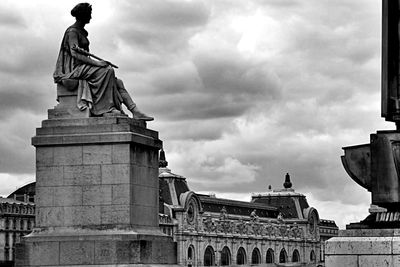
{"x":327,"y":229}
{"x":17,"y":218}
{"x":276,"y":227}
{"x":25,"y":193}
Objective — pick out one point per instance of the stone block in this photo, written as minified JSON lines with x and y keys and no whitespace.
{"x":396,"y":245}
{"x":128,"y":251}
{"x":67,"y":155}
{"x":49,"y":216}
{"x":121,"y":194}
{"x":82,"y":216}
{"x":67,"y":112}
{"x":82,"y":175}
{"x":67,"y":196}
{"x":144,"y":156}
{"x":359,"y":245}
{"x":44,"y":156}
{"x":77,"y":252}
{"x":367,"y":232}
{"x":115,"y":214}
{"x":115,"y":173}
{"x":143,"y":195}
{"x":144,"y":215}
{"x":145,"y":176}
{"x":80,"y":139}
{"x":44,"y":131}
{"x":44,"y":196}
{"x":97,"y":154}
{"x":341,"y":261}
{"x":121,"y":153}
{"x":105,"y":252}
{"x":47,"y":140}
{"x":376,"y":261}
{"x":49,"y":176}
{"x":44,"y":253}
{"x":156,"y":251}
{"x":97,"y":195}
{"x":82,"y":129}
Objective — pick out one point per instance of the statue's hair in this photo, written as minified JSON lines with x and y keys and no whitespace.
{"x":81,"y":10}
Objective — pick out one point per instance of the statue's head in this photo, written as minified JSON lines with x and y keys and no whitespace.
{"x":82,"y":12}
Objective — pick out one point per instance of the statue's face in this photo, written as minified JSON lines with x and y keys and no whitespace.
{"x":87,"y":17}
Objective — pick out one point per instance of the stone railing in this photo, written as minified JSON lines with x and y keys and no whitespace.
{"x":14,"y":208}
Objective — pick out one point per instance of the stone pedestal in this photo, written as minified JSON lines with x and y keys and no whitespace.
{"x":364,"y":248}
{"x":96,"y":195}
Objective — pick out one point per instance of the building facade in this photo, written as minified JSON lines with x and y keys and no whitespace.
{"x":17,"y":218}
{"x":276,"y":227}
{"x":328,"y":229}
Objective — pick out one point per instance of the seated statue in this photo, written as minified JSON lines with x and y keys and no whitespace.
{"x":97,"y":87}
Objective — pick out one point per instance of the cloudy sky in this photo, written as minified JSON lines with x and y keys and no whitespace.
{"x":242,"y":91}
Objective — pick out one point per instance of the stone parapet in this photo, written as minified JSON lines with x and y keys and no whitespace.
{"x":364,"y":247}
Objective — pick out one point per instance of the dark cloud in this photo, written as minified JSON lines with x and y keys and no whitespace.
{"x":280,"y":3}
{"x":168,"y":14}
{"x":15,"y":146}
{"x":161,"y":26}
{"x":196,"y":130}
{"x":24,"y":97}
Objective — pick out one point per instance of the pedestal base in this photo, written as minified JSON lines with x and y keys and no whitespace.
{"x":364,"y":248}
{"x":96,"y":196}
{"x":97,"y":248}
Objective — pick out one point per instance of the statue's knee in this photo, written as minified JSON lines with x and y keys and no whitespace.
{"x":110,"y":69}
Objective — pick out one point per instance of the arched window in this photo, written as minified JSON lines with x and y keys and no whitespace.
{"x":241,"y":256}
{"x":190,"y":256}
{"x":312,"y":256}
{"x":283,"y":256}
{"x":209,"y":257}
{"x":225,"y":256}
{"x":255,"y":256}
{"x":295,"y":256}
{"x":270,"y":256}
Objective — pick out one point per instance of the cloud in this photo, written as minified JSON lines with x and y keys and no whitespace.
{"x":161,"y":26}
{"x":18,"y":181}
{"x":15,"y":146}
{"x":10,"y":19}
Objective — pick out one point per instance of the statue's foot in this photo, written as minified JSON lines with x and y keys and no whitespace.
{"x":138,"y":115}
{"x":112,"y":112}
{"x":115,"y":111}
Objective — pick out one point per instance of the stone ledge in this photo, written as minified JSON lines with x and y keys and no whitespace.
{"x":360,"y":246}
{"x":92,"y":121}
{"x":99,"y":138}
{"x":369,"y":232}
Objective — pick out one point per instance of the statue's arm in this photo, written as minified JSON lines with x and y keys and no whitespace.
{"x":73,"y":42}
